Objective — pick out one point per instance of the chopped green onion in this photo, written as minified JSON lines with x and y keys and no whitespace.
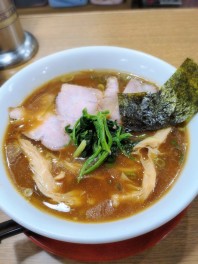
{"x":159,"y":162}
{"x":27,"y":192}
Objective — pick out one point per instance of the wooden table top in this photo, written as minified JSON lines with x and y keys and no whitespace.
{"x":170,"y":34}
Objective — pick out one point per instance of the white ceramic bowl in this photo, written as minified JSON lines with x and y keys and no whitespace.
{"x":13,"y":92}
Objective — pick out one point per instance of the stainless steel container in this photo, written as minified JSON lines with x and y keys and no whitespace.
{"x":16,"y":46}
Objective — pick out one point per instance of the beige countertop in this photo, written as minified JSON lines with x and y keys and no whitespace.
{"x":170,"y":34}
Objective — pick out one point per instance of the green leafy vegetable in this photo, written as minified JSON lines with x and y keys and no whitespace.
{"x":174,"y":103}
{"x":98,"y":139}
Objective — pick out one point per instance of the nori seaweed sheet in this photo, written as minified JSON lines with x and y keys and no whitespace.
{"x":175,"y":102}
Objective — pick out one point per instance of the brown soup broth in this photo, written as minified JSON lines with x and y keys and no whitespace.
{"x":106,"y":181}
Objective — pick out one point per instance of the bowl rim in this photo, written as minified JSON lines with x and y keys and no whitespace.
{"x":107,"y":228}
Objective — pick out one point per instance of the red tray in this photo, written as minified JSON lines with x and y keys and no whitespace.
{"x":108,"y":251}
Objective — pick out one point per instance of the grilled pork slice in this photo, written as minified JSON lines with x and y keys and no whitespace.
{"x":137,"y":86}
{"x":50,"y":132}
{"x":72,"y":99}
{"x":110,"y":98}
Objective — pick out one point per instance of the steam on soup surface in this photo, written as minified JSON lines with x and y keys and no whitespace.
{"x":110,"y":173}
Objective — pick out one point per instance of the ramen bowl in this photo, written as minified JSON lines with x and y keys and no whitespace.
{"x":22,"y":84}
